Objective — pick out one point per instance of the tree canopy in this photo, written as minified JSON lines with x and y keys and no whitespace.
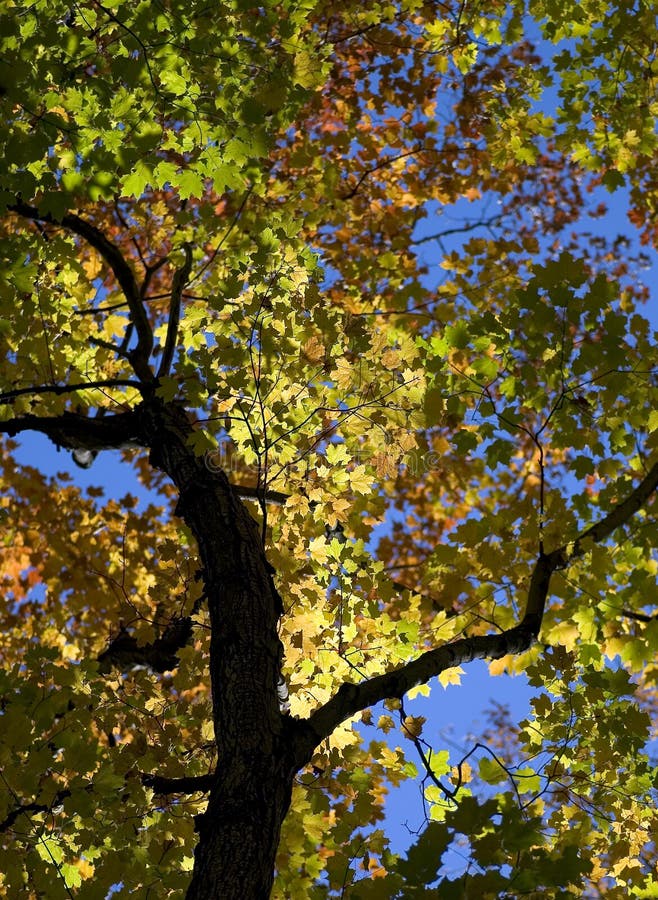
{"x":346,"y":287}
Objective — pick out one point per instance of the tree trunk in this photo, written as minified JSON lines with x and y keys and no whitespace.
{"x":239,"y":832}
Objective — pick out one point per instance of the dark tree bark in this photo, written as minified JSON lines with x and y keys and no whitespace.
{"x":239,"y":832}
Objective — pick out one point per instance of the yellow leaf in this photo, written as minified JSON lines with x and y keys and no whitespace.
{"x":318,"y":548}
{"x":391,"y":359}
{"x":451,"y":676}
{"x":413,"y":725}
{"x":564,"y":633}
{"x":343,"y":736}
{"x":385,"y":723}
{"x":85,"y":868}
{"x":375,"y":869}
{"x":360,"y":481}
{"x":313,"y":349}
{"x":462,"y":773}
{"x":343,"y":374}
{"x":115,"y":325}
{"x":499,"y":666}
{"x":337,"y":454}
{"x":385,"y":465}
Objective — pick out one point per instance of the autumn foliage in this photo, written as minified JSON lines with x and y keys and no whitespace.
{"x":357,"y":294}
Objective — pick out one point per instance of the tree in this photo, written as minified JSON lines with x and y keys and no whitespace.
{"x":224,"y":260}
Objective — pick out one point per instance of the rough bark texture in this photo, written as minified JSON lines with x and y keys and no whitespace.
{"x":239,"y":832}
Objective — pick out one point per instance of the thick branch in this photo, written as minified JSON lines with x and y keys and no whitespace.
{"x":78,"y":432}
{"x":159,"y":655}
{"x":253,"y":493}
{"x":180,"y":280}
{"x":114,"y":258}
{"x":352,"y":698}
{"x":7,"y":397}
{"x":190,"y":784}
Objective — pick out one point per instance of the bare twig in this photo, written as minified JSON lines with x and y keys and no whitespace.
{"x":462,"y":229}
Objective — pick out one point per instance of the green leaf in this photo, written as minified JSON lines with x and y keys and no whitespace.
{"x":491,"y":771}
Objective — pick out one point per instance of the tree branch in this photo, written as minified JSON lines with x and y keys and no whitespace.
{"x":638,"y":617}
{"x":388,"y":161}
{"x":352,"y":698}
{"x":7,"y":397}
{"x":159,"y":655}
{"x":450,"y":611}
{"x":181,"y":276}
{"x":27,"y":808}
{"x":190,"y":784}
{"x":254,"y":493}
{"x":108,"y":345}
{"x":78,"y":432}
{"x":462,"y":229}
{"x":618,"y":515}
{"x":114,"y":258}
